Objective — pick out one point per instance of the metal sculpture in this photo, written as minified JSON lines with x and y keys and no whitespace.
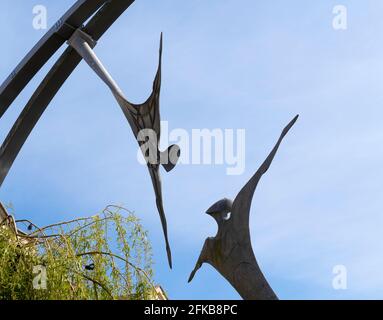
{"x":101,"y":14}
{"x":230,"y":251}
{"x":143,"y":119}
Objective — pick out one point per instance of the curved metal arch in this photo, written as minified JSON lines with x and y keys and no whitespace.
{"x":64,"y":30}
{"x":108,"y":13}
{"x":61,"y":31}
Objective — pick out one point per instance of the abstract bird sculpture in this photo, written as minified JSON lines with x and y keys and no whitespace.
{"x":230,"y":251}
{"x":144,"y":119}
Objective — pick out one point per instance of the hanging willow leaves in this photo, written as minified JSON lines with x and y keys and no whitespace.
{"x":107,"y":256}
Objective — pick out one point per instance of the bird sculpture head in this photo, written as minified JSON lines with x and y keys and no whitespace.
{"x":221,"y":210}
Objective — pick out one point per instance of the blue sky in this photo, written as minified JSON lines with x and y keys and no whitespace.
{"x":240,"y":64}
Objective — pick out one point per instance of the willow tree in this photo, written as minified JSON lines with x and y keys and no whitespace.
{"x":107,"y":256}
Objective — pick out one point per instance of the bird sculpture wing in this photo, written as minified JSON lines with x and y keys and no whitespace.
{"x":242,"y":203}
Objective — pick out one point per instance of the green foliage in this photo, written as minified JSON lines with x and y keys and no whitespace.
{"x":107,"y":256}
